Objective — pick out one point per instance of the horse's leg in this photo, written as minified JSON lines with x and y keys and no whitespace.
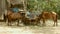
{"x":37,"y":22}
{"x":9,"y":22}
{"x":18,"y":23}
{"x":55,"y":21}
{"x":5,"y":18}
{"x":29,"y":22}
{"x":44,"y":22}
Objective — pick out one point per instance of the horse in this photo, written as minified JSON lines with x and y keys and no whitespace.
{"x":29,"y":21}
{"x":11,"y":16}
{"x":45,"y":15}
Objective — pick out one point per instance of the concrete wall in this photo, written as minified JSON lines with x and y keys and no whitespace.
{"x":2,"y":8}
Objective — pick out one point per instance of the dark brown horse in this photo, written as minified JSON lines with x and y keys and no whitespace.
{"x":49,"y":15}
{"x":28,"y":21}
{"x":11,"y":16}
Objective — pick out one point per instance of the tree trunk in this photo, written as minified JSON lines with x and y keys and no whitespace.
{"x":25,"y":5}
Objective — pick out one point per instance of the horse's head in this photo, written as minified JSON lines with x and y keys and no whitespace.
{"x":54,"y":13}
{"x":22,"y":13}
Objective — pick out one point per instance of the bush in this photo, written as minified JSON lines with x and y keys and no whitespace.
{"x":51,"y":5}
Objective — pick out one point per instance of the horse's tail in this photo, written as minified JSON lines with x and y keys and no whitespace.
{"x":5,"y":17}
{"x":57,"y":17}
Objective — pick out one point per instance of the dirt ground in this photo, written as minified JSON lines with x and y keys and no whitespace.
{"x":48,"y":29}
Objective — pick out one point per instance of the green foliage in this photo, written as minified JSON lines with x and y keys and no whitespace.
{"x":44,"y":4}
{"x":49,"y":5}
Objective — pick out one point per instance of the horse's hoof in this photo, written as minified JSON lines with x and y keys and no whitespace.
{"x":8,"y":24}
{"x":17,"y":25}
{"x":44,"y":24}
{"x":53,"y":25}
{"x":56,"y":25}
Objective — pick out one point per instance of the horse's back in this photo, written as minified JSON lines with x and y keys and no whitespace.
{"x":48,"y":15}
{"x":15,"y":15}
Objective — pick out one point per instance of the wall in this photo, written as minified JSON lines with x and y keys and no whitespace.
{"x":2,"y":8}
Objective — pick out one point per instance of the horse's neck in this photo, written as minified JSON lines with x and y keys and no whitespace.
{"x":39,"y":16}
{"x":9,"y":12}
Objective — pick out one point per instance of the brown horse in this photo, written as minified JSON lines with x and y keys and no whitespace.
{"x":49,"y":15}
{"x":28,"y":21}
{"x":11,"y":16}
